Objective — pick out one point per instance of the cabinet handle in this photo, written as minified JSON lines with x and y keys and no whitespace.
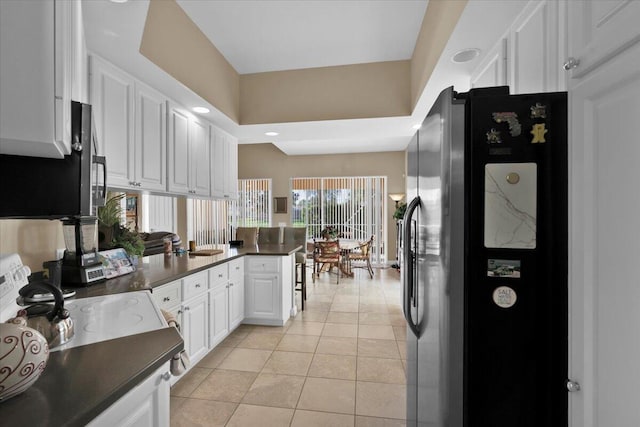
{"x":186,"y":309}
{"x":570,"y":64}
{"x":197,"y":285}
{"x":573,"y":386}
{"x":166,"y":376}
{"x":227,"y":286}
{"x":179,"y":311}
{"x":220,"y":275}
{"x":230,"y":284}
{"x":166,"y":299}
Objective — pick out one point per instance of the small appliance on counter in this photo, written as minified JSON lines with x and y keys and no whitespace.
{"x":52,"y":274}
{"x":81,"y":265}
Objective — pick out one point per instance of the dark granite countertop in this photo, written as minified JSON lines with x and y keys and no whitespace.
{"x":79,"y":383}
{"x":157,"y":270}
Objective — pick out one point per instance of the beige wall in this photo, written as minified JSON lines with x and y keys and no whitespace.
{"x":439,"y":21}
{"x":173,"y":42}
{"x":267,"y":161}
{"x":380,"y":89}
{"x":35,"y":241}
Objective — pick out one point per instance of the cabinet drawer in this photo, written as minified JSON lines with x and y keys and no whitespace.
{"x":195,"y":284}
{"x":236,"y":268}
{"x":262,"y":264}
{"x":218,"y":274}
{"x":168,"y":296}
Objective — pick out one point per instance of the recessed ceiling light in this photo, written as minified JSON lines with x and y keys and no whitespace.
{"x":271,"y":133}
{"x":201,"y":110}
{"x":418,"y":126}
{"x":465,"y":55}
{"x":118,"y":1}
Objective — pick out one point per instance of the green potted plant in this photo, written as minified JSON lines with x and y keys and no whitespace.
{"x":114,"y":235}
{"x":330,"y":233}
{"x":400,"y":210}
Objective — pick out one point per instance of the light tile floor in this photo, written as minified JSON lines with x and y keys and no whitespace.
{"x":341,"y":362}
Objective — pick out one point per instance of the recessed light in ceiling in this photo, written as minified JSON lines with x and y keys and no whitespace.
{"x":465,"y":55}
{"x":118,"y":1}
{"x":417,"y":126}
{"x":271,"y":133}
{"x":201,"y":110}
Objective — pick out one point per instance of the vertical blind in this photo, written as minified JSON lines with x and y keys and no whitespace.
{"x":355,"y":206}
{"x":211,"y":222}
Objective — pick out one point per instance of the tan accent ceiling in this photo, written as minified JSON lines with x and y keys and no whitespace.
{"x":379,"y":89}
{"x":384,"y":89}
{"x":174,"y":43}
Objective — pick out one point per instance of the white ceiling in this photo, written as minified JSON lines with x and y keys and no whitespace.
{"x":266,"y":35}
{"x":259,"y":36}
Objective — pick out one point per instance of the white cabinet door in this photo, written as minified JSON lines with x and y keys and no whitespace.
{"x":146,"y":405}
{"x":604,"y":295}
{"x":151,"y":138}
{"x":535,"y":49}
{"x":600,"y":30}
{"x":178,"y":151}
{"x":40,"y":46}
{"x":493,"y":69}
{"x":263,"y":296}
{"x":200,"y":179}
{"x":218,"y":162}
{"x":195,"y":329}
{"x":112,"y":93}
{"x":231,"y":171}
{"x":218,"y":314}
{"x":236,"y":302}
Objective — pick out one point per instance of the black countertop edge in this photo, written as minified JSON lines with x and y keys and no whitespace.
{"x":80,"y":383}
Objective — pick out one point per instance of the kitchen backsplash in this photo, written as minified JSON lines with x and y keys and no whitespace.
{"x":35,"y":241}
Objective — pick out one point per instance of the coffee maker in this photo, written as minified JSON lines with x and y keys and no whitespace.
{"x":81,"y":265}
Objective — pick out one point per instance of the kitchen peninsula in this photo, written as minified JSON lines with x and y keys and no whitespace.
{"x":99,"y":380}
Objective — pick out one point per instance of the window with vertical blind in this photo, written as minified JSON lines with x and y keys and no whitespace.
{"x":211,"y":222}
{"x":355,"y":206}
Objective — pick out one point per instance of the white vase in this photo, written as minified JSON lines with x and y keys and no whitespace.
{"x":23,"y":356}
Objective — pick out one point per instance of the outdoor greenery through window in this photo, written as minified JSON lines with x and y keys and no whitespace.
{"x":253,"y":208}
{"x":354,"y":206}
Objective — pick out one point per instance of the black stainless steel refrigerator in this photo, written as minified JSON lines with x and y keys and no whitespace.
{"x":484,"y":261}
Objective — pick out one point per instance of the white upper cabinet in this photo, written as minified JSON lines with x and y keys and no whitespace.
{"x":131,"y":127}
{"x":529,"y":57}
{"x":492,"y":71}
{"x":599,"y":31}
{"x":150,"y":138}
{"x":535,"y":49}
{"x":189,"y":153}
{"x":112,"y":97}
{"x":224,"y":164}
{"x":41,"y":71}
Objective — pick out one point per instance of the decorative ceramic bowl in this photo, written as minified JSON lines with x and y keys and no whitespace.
{"x":23,"y":356}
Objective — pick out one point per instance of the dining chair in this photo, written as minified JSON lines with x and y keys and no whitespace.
{"x":269,"y":236}
{"x":326,"y":252}
{"x":249,"y":235}
{"x":298,"y":236}
{"x":362,"y":255}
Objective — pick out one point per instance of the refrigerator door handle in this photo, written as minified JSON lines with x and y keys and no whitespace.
{"x":409,"y":279}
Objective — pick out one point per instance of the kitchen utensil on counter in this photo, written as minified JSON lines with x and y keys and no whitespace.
{"x":52,"y":273}
{"x":52,"y":321}
{"x":81,"y":265}
{"x":24,"y":354}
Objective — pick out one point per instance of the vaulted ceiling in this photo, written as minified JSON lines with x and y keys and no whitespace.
{"x":329,"y":76}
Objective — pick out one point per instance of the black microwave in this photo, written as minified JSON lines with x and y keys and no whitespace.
{"x":36,"y":187}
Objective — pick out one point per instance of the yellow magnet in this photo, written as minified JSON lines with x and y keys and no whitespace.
{"x":538,"y":132}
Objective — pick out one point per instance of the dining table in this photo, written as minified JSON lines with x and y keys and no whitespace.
{"x":346,"y":247}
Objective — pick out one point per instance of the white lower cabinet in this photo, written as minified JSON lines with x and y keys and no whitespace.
{"x":146,"y":405}
{"x":269,"y":289}
{"x":236,"y":302}
{"x":195,"y":327}
{"x":218,"y":313}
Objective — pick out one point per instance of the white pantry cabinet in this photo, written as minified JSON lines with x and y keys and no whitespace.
{"x":131,"y":128}
{"x":146,"y":405}
{"x":189,"y":153}
{"x":41,"y":71}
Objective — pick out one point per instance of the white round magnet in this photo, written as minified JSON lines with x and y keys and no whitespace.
{"x":504,"y":297}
